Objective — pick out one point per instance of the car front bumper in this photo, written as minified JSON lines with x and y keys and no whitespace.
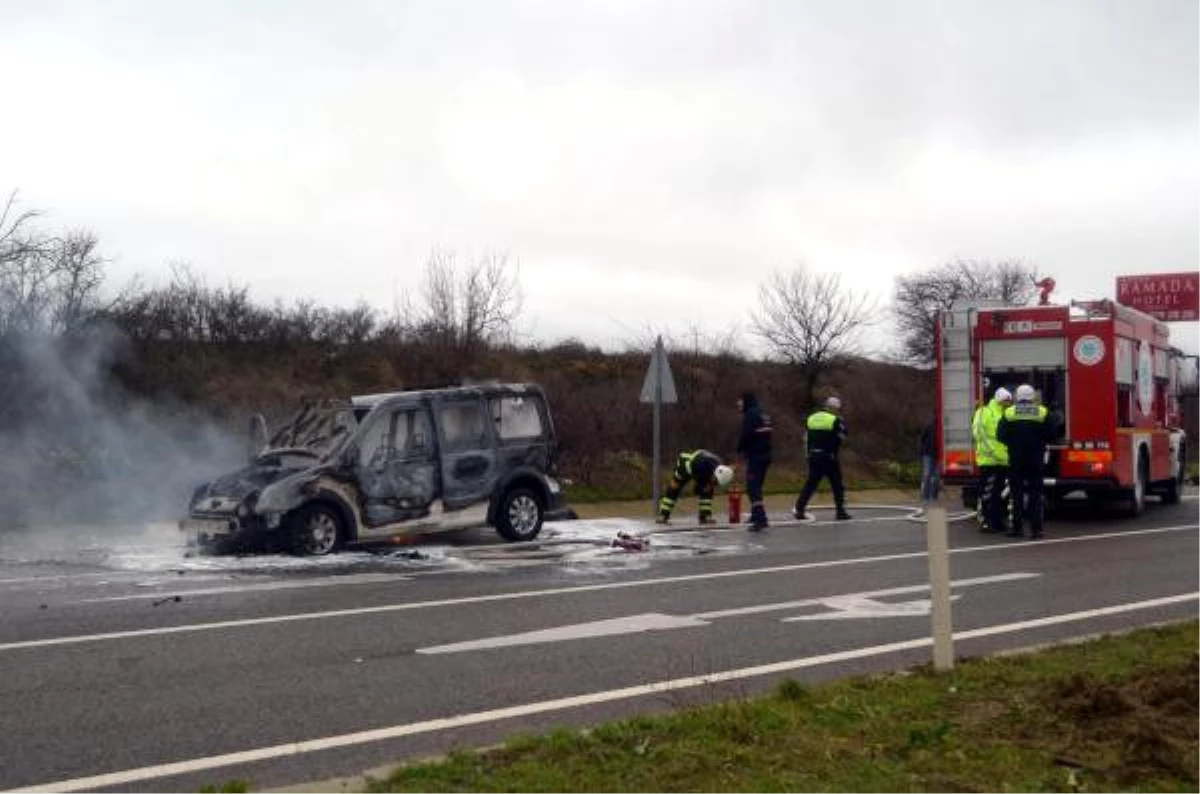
{"x":213,"y":530}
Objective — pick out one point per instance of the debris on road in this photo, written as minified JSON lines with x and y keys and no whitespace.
{"x":628,"y":542}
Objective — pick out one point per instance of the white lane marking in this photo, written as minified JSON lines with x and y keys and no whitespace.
{"x":890,"y":591}
{"x":855,"y":607}
{"x":128,"y":776}
{"x":632,"y":624}
{"x":110,"y":574}
{"x":335,"y":613}
{"x":333,"y":580}
{"x":654,"y":621}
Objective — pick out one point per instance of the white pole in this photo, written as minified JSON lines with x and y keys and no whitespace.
{"x":939,"y":588}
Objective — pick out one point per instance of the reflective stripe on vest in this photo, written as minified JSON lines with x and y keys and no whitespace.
{"x":1026,"y":413}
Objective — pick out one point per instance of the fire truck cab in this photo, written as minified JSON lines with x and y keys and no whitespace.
{"x":1107,"y":373}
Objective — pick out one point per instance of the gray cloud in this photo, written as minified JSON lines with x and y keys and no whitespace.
{"x":688,"y":147}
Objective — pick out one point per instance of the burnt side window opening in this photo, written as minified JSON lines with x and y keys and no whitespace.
{"x":374,"y":447}
{"x":516,"y":417}
{"x":414,"y":435}
{"x":463,"y":426}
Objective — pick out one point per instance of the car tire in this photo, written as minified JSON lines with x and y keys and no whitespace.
{"x":520,"y":515}
{"x":315,"y":530}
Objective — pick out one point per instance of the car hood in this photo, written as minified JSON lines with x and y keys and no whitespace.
{"x":228,"y":491}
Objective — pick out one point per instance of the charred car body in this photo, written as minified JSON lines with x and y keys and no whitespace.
{"x":384,"y":466}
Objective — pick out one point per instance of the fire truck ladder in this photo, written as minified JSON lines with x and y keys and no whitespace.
{"x":958,"y":387}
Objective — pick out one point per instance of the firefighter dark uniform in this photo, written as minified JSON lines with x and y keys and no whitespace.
{"x":754,"y":446}
{"x":1024,"y":429}
{"x":824,"y":439}
{"x":991,"y":456}
{"x":702,"y":467}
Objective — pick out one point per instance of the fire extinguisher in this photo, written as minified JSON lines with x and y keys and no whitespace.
{"x":735,"y":504}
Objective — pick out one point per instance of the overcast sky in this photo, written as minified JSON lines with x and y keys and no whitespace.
{"x":648,"y":164}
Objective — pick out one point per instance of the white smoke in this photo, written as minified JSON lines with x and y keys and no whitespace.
{"x":75,"y":447}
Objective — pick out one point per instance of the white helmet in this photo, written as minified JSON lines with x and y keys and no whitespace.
{"x":724,"y":475}
{"x":1003,"y":395}
{"x":1025,"y":393}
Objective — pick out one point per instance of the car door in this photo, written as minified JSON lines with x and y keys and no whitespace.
{"x":468,"y":451}
{"x":397,"y":465}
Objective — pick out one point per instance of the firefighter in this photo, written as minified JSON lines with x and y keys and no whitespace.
{"x":754,"y":447}
{"x":1025,"y":429}
{"x":707,"y":471}
{"x":991,"y":456}
{"x":826,"y":429}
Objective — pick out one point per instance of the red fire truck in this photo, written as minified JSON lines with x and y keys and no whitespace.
{"x":1106,"y":370}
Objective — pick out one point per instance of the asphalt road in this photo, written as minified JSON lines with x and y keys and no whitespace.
{"x":125,"y":665}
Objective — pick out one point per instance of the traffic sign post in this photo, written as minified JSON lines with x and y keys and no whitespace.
{"x":658,"y":388}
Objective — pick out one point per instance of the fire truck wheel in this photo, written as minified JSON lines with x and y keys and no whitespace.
{"x":1137,"y":494}
{"x":1174,"y":489}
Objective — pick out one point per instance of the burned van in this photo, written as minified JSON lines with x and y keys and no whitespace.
{"x":381,"y":467}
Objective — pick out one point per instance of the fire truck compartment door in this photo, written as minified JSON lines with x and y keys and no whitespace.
{"x":1024,"y":353}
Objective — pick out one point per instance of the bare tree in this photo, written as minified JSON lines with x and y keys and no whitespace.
{"x":465,"y":308}
{"x":79,"y":274}
{"x":47,"y":283}
{"x":918,"y":298}
{"x":811,"y":322}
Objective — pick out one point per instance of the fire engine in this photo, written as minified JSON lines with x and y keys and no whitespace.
{"x":1107,"y":373}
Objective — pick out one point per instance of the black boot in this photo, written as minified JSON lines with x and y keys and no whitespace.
{"x":842,"y":515}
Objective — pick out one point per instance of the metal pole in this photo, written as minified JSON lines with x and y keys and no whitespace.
{"x":939,"y":589}
{"x":658,"y":356}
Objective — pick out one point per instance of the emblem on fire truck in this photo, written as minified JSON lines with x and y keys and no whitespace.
{"x":1089,"y":350}
{"x":1145,"y":378}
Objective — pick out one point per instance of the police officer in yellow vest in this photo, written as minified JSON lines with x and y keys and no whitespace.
{"x":1024,"y":430}
{"x":991,"y":456}
{"x":824,"y":438}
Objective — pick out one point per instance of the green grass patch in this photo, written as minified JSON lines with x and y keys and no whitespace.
{"x":1118,"y":713}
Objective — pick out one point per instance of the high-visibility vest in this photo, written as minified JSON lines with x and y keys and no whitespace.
{"x":821,"y":420}
{"x":988,"y":449}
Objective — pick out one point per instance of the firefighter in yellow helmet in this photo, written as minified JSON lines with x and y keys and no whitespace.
{"x":1025,"y":429}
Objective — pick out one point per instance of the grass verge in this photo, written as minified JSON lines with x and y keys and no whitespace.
{"x":1117,"y":713}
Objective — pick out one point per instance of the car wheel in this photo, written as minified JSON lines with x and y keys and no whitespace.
{"x":316,"y":530}
{"x":520,"y":515}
